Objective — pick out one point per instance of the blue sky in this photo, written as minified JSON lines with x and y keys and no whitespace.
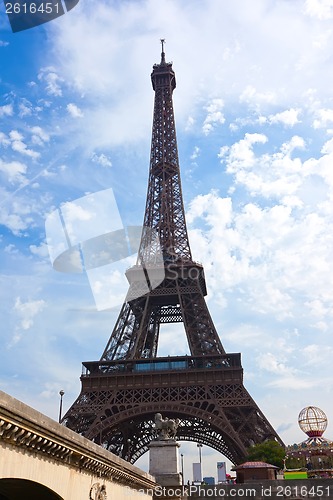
{"x":254,"y":115}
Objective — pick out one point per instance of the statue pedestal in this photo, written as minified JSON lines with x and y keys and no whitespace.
{"x":164,"y":462}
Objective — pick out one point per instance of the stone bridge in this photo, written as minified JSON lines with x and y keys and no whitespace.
{"x":40,"y":459}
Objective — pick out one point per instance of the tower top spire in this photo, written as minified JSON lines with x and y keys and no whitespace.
{"x":163,"y":73}
{"x":162,"y":53}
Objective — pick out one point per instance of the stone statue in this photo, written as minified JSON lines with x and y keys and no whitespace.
{"x":166,"y":429}
{"x":98,"y":492}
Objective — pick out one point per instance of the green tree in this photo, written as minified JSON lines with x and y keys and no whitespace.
{"x":270,"y":452}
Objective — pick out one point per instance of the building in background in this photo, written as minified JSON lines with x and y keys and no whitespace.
{"x":197,"y":474}
{"x":255,"y":471}
{"x":209,"y":480}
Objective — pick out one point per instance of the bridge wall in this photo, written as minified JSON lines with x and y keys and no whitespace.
{"x":36,"y":448}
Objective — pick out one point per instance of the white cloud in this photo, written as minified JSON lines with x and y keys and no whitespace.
{"x":295,"y":383}
{"x":316,"y":354}
{"x":108,"y":285}
{"x":258,"y":248}
{"x":11,"y":249}
{"x":39,"y":135}
{"x":241,"y":155}
{"x":74,"y":110}
{"x":323,"y":118}
{"x":249,"y":63}
{"x":21,"y":209}
{"x":26,"y":311}
{"x":255,"y":98}
{"x":15,"y":135}
{"x":322,"y":326}
{"x":196,"y":153}
{"x":40,"y":251}
{"x":4,"y":141}
{"x":288,"y":118}
{"x":6,"y":110}
{"x":76,"y":213}
{"x":245,"y":335}
{"x":317,"y":307}
{"x":214,"y":115}
{"x":18,"y":145}
{"x":321,"y":9}
{"x":52,"y":80}
{"x":189,"y":124}
{"x":26,"y":107}
{"x":252,"y":62}
{"x":327,"y":147}
{"x":271,"y":363}
{"x":101,"y":159}
{"x":14,"y":171}
{"x":276,"y":174}
{"x":12,"y":221}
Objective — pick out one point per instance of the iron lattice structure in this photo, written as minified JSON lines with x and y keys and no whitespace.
{"x":122,"y":392}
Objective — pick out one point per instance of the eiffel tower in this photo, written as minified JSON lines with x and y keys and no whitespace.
{"x":121,"y":393}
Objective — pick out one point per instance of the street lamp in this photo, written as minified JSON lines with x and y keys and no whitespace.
{"x":60,"y":409}
{"x":200,"y":445}
{"x":182,"y":465}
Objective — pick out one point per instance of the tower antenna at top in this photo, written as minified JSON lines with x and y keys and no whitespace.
{"x":162,"y":54}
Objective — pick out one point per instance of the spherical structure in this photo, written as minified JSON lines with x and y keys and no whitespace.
{"x":312,"y":421}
